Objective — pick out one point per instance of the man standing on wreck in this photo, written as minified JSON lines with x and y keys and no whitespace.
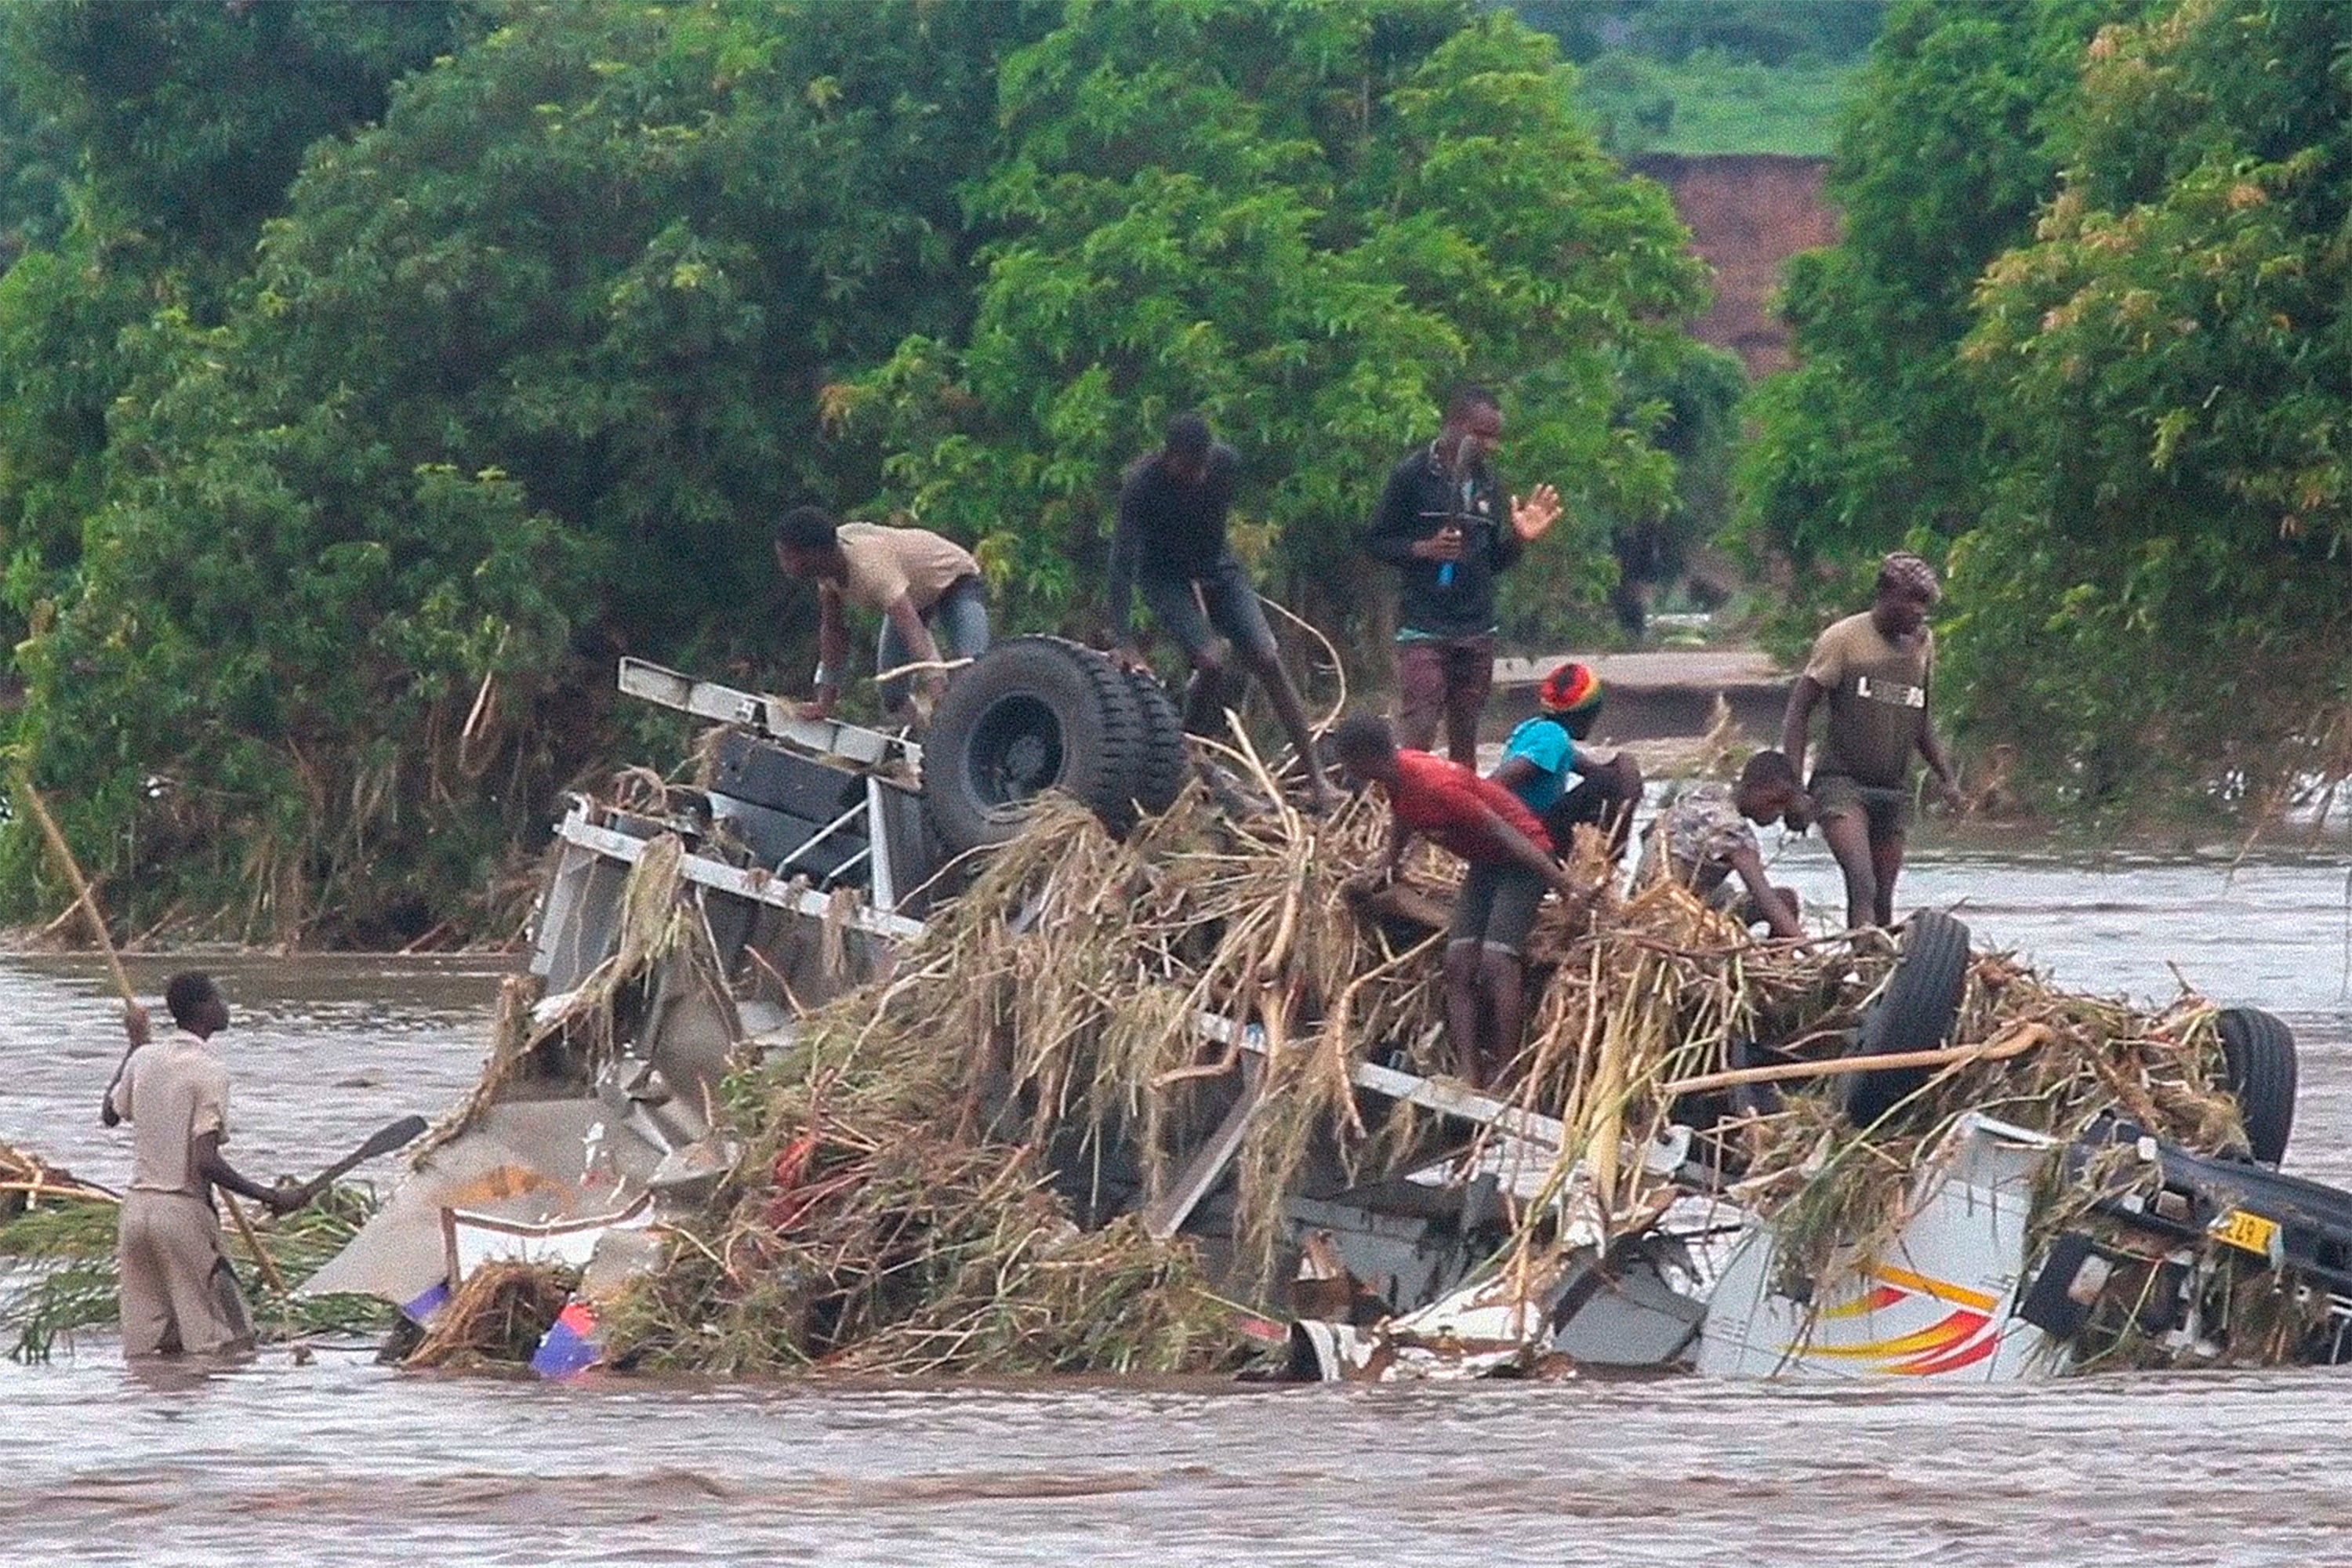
{"x":1876,"y":670}
{"x":926,"y":589}
{"x":1441,"y":524}
{"x":1510,"y":865}
{"x":1170,"y":543}
{"x":178,"y":1293}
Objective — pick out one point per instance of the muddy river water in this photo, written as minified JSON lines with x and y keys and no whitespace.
{"x":341,"y":1462}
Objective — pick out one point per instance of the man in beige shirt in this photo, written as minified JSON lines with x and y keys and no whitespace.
{"x":178,"y":1293}
{"x":927,"y":590}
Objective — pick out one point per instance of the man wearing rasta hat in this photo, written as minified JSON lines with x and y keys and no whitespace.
{"x":1544,"y":754}
{"x":1876,"y":672}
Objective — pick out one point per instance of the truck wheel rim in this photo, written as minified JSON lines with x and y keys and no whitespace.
{"x":1015,"y":751}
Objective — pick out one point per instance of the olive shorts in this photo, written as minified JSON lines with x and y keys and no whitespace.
{"x":1841,"y":795}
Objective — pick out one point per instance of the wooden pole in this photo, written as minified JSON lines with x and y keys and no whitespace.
{"x":2017,"y":1042}
{"x":63,"y":854}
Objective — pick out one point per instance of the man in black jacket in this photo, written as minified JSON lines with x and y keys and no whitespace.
{"x":1442,"y":525}
{"x":1169,"y":545}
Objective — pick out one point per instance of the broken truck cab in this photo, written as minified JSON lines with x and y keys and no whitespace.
{"x":679,"y":927}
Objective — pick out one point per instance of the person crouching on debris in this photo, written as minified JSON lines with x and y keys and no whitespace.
{"x":1510,"y":865}
{"x":1170,"y":543}
{"x":1547,"y":765}
{"x":927,"y":590}
{"x":1702,"y":838}
{"x":178,"y":1293}
{"x":1876,"y":670}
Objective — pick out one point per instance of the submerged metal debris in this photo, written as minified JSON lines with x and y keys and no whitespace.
{"x":817,"y":1096}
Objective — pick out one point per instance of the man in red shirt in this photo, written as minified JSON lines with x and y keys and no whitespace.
{"x":1510,"y":865}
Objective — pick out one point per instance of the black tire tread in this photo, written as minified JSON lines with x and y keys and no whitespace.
{"x":1165,"y":761}
{"x":1106,"y":782}
{"x":1915,"y":1013}
{"x":2259,"y":1052}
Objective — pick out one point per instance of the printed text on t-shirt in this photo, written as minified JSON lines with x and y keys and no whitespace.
{"x":1899,"y":693}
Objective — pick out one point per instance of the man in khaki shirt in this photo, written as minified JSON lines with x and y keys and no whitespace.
{"x":927,"y":590}
{"x":1874,"y":670}
{"x":178,"y":1293}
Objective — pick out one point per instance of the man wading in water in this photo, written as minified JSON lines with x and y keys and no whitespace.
{"x":1876,"y":669}
{"x":1170,"y":544}
{"x":1510,"y":865}
{"x":1441,"y":524}
{"x":178,"y":1293}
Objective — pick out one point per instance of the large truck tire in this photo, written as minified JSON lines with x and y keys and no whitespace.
{"x":1915,"y":1013}
{"x":1159,"y":774}
{"x":1031,"y":714}
{"x":2258,"y":1049}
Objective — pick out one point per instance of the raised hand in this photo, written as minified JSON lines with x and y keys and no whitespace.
{"x":1531,"y":517}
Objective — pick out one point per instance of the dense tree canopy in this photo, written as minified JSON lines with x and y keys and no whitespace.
{"x":2085,"y":333}
{"x":1875,"y":439}
{"x":143,"y":146}
{"x":327,"y":504}
{"x":1306,"y":219}
{"x":2160,"y":588}
{"x":518,"y":373}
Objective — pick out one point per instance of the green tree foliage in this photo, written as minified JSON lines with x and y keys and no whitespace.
{"x":1306,"y":218}
{"x":524,"y":369}
{"x":1702,"y":395}
{"x":181,"y":125}
{"x":1764,"y":32}
{"x":191,"y":119}
{"x":34,"y":158}
{"x":2158,"y":590}
{"x":328,"y":508}
{"x":1875,"y":439}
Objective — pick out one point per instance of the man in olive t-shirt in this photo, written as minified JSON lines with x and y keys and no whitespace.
{"x":1876,"y":670}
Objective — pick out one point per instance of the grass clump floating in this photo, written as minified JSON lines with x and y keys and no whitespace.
{"x":57,"y":1268}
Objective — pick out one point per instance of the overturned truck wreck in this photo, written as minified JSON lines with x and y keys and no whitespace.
{"x":1029,"y":1054}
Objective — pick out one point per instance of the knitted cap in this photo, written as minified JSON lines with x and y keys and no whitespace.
{"x":1571,"y":688}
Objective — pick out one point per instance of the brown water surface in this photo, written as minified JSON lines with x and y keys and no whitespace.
{"x":341,"y":1461}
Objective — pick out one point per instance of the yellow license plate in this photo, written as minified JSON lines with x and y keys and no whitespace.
{"x":2250,"y":1231}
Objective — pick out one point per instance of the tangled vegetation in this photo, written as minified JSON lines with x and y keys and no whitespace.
{"x":57,"y":1270}
{"x":925,"y":1170}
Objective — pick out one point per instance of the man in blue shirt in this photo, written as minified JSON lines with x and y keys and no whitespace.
{"x":1564,"y":786}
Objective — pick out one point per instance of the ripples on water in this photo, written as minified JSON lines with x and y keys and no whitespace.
{"x":341,"y":1461}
